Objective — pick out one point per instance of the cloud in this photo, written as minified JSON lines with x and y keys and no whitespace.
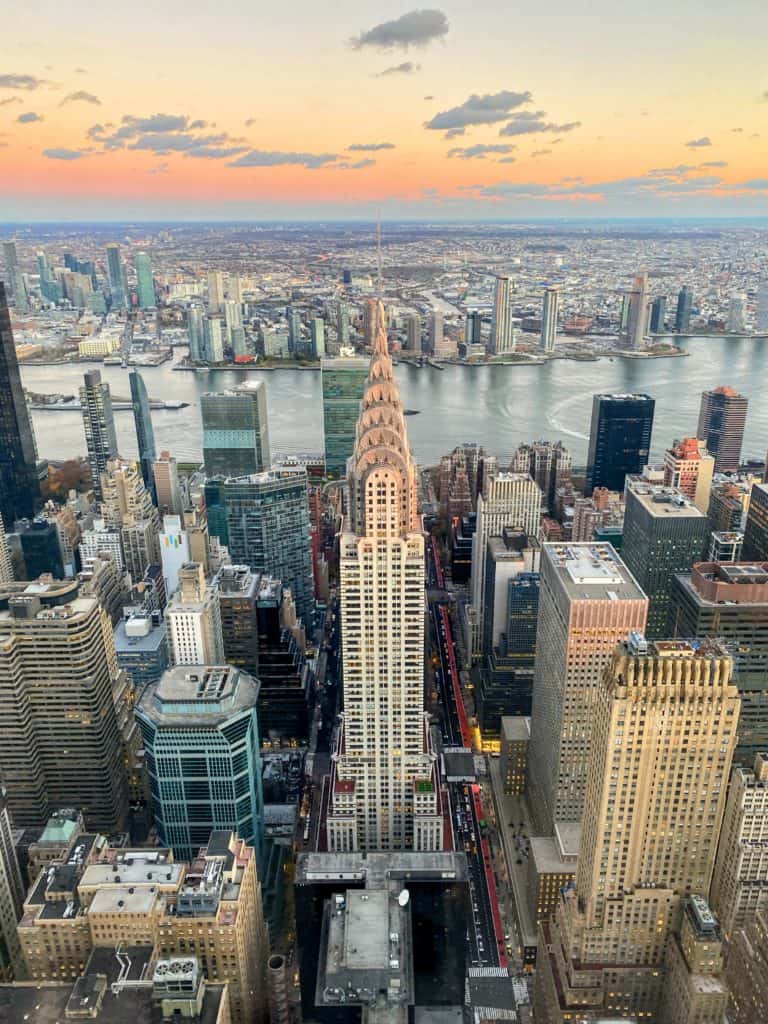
{"x":756,"y":184}
{"x":416,"y":28}
{"x":29,"y":117}
{"x":65,"y":154}
{"x":406,"y":68}
{"x":81,"y":71}
{"x":21,"y":82}
{"x":369,"y":147}
{"x":250,"y":122}
{"x":159,"y":169}
{"x":526,"y":123}
{"x":480,"y":151}
{"x":358,"y":165}
{"x":9,"y":100}
{"x":269,"y":158}
{"x":715,"y":163}
{"x":81,"y":96}
{"x":540,"y":152}
{"x":699,"y":143}
{"x":168,"y":133}
{"x":455,"y":133}
{"x":650,"y":186}
{"x":479,"y":109}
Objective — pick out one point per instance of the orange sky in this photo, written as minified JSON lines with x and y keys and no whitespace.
{"x":563,"y":112}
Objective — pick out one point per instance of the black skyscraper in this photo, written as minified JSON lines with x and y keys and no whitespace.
{"x":683,"y":314}
{"x":145,"y":434}
{"x":619,"y":439}
{"x":19,"y":486}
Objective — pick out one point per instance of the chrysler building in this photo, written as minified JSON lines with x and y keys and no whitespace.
{"x":384,"y":782}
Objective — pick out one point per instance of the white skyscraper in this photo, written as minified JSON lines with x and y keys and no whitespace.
{"x":549,"y":319}
{"x":511,"y":499}
{"x":502,"y":329}
{"x":637,"y":322}
{"x":737,"y":314}
{"x":384,"y":792}
{"x":194,"y":620}
{"x":215,"y":290}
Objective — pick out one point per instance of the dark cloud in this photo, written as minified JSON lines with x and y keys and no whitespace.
{"x":29,"y":117}
{"x":480,"y":151}
{"x":168,"y":133}
{"x":699,"y":143}
{"x":269,"y":158}
{"x":21,"y":82}
{"x":81,"y":96}
{"x":10,"y":99}
{"x":406,"y":68}
{"x":208,"y":147}
{"x":417,"y":28}
{"x":455,"y":133}
{"x":65,"y":154}
{"x":534,"y":124}
{"x":756,"y":184}
{"x":479,"y":109}
{"x":369,"y":147}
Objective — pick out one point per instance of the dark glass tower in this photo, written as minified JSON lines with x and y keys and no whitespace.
{"x":145,"y":435}
{"x":235,"y":432}
{"x":19,"y":486}
{"x":683,"y":313}
{"x":619,"y":439}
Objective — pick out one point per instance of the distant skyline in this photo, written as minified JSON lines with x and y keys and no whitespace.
{"x":183,"y":111}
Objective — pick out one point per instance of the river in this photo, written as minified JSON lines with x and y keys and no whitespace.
{"x":498,"y":406}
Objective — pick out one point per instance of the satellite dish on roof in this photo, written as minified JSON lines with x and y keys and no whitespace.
{"x":403,"y":898}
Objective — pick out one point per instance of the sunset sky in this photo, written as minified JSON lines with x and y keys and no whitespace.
{"x":236,"y":110}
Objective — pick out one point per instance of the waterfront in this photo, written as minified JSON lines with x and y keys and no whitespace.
{"x":499,"y":406}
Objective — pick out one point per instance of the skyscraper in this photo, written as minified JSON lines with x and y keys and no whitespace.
{"x":11,"y":897}
{"x":99,"y":425}
{"x":658,"y":314}
{"x":413,"y":333}
{"x":436,"y":332}
{"x":268,"y":529}
{"x":145,"y":435}
{"x":731,"y":602}
{"x":637,"y":321}
{"x":215,"y":291}
{"x":165,"y":474}
{"x":116,"y":277}
{"x":384,"y":791}
{"x":619,"y":439}
{"x":683,"y":312}
{"x":201,"y":739}
{"x":689,"y":467}
{"x":549,"y":319}
{"x":473,"y":328}
{"x":342,"y":325}
{"x":756,"y":530}
{"x":19,"y":486}
{"x":60,"y":691}
{"x":502,"y":328}
{"x":235,"y":431}
{"x":195,"y":334}
{"x":512,"y":500}
{"x":213,"y":338}
{"x":15,"y":278}
{"x":318,"y":337}
{"x":588,"y":602}
{"x":664,"y":534}
{"x":548,"y":463}
{"x":740,"y":880}
{"x":342,"y":382}
{"x":294,"y":329}
{"x":663,"y":727}
{"x":145,"y":284}
{"x":194,"y":620}
{"x":761,"y":310}
{"x":722,"y":416}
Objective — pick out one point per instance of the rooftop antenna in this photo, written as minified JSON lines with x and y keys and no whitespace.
{"x":378,"y":253}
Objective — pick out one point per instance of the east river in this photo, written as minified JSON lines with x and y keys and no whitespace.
{"x":498,"y":406}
